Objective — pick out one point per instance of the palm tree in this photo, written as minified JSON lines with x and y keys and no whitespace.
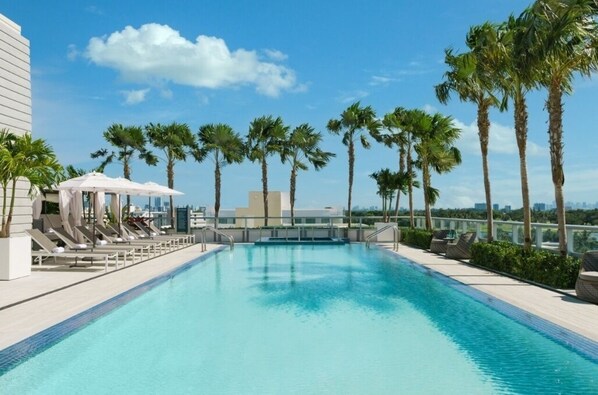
{"x":562,"y":39}
{"x":225,"y":146}
{"x":266,"y":137}
{"x":397,"y":136}
{"x":436,"y":152}
{"x":301,"y":149}
{"x":388,"y":183}
{"x":22,"y":157}
{"x":513,"y":73}
{"x":176,"y":142}
{"x":469,"y":77}
{"x":128,"y":141}
{"x":354,"y":121}
{"x":413,"y":122}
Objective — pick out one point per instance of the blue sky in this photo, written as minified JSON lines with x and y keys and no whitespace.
{"x":232,"y":61}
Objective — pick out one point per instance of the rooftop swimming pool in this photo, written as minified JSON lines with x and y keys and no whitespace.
{"x":302,"y":320}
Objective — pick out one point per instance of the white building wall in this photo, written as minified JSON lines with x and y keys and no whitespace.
{"x":15,"y":105}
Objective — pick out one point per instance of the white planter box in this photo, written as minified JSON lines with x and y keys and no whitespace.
{"x":15,"y":257}
{"x":385,"y":236}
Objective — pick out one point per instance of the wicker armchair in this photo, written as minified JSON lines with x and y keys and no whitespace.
{"x":461,"y":249}
{"x":586,"y":286}
{"x":439,"y":241}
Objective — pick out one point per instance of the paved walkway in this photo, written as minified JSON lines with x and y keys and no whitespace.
{"x":69,"y":292}
{"x":566,"y":311}
{"x":26,"y":319}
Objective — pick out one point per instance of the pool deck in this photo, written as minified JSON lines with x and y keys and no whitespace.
{"x":66,"y":292}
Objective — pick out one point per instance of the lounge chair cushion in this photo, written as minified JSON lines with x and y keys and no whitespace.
{"x":589,"y":276}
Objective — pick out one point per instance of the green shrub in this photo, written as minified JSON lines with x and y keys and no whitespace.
{"x":418,"y":238}
{"x":539,"y":266}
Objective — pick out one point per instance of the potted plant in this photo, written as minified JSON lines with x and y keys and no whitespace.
{"x":22,"y":158}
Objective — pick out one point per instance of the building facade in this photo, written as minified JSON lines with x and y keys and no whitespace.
{"x":279,"y":213}
{"x":15,"y":105}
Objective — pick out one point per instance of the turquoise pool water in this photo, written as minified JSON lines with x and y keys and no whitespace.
{"x":303,"y":320}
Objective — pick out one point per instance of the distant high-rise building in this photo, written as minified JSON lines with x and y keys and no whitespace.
{"x":479,"y":206}
{"x":507,"y":208}
{"x":158,"y":203}
{"x":495,"y":206}
{"x":540,"y":206}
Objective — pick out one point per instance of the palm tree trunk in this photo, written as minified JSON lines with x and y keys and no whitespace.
{"x":293,"y":182}
{"x":401,"y":171}
{"x":555,"y":133}
{"x":484,"y":134}
{"x":521,"y":136}
{"x":410,"y":186}
{"x":127,"y":174}
{"x":13,"y":192}
{"x":351,"y":165}
{"x":170,"y":176}
{"x":265,"y":189}
{"x":216,"y":192}
{"x":4,"y":206}
{"x":425,"y":186}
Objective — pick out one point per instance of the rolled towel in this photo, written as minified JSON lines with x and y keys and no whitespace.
{"x":81,"y":246}
{"x":119,"y":239}
{"x":154,"y":234}
{"x":57,"y":250}
{"x":162,"y":232}
{"x":132,"y":238}
{"x":101,"y":242}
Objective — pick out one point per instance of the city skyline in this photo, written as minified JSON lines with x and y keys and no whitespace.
{"x":291,"y":62}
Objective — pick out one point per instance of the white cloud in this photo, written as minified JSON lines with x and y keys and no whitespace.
{"x":349,"y":97}
{"x":276,"y":55}
{"x":502,"y":140}
{"x":157,"y":53}
{"x":381,"y":80}
{"x":72,"y":52}
{"x":92,"y":9}
{"x":166,"y":94}
{"x":135,"y":96}
{"x":430,"y":109}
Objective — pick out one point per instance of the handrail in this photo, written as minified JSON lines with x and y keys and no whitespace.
{"x":231,"y":240}
{"x":396,"y":236}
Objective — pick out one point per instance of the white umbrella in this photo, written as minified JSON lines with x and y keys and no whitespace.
{"x":94,"y":182}
{"x":115,"y":206}
{"x":99,"y":206}
{"x":76,"y":208}
{"x":37,"y":207}
{"x":97,"y":183}
{"x":64,"y":198}
{"x":160,"y":190}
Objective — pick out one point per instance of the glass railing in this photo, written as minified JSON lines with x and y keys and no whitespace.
{"x":580,"y":238}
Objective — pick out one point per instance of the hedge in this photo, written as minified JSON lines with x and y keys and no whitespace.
{"x":418,"y":238}
{"x":539,"y":266}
